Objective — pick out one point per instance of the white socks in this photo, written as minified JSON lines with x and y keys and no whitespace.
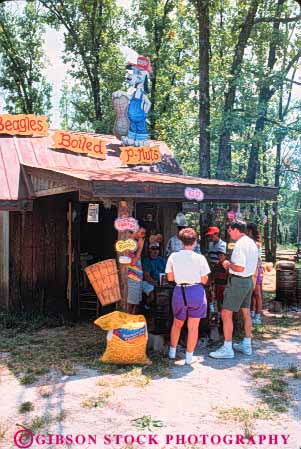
{"x":172,"y":352}
{"x":188,"y":358}
{"x":228,"y":344}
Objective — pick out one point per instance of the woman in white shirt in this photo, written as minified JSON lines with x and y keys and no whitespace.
{"x":189,"y":270}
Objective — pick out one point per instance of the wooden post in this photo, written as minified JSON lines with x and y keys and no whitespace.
{"x":125,"y":209}
{"x":69,"y":255}
{"x":4,"y":260}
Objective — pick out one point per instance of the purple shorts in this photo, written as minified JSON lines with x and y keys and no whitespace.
{"x":196,"y":302}
{"x":259,"y":275}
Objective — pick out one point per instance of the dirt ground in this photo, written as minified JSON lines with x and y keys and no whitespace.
{"x":248,"y":396}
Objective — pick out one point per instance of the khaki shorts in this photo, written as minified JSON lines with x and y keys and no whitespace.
{"x":238,"y":293}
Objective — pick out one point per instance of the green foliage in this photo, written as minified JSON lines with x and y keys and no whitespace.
{"x":22,"y":59}
{"x":92,"y":32}
{"x":263,"y":118}
{"x":169,"y":39}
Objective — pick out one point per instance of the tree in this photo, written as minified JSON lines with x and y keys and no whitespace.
{"x":223,"y":170}
{"x":166,"y":32}
{"x":92,"y":34}
{"x":22,"y":60}
{"x":269,"y":85}
{"x":202,"y":11}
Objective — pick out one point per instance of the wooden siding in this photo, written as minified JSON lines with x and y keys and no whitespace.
{"x":38,"y":257}
{"x":4,"y":260}
{"x":175,"y":192}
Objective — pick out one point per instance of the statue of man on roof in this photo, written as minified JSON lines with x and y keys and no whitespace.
{"x":133,"y":106}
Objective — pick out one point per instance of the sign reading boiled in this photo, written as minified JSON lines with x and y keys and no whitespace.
{"x":140,"y":155}
{"x":80,"y":143}
{"x":23,"y":124}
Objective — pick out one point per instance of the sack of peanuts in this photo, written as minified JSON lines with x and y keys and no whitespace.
{"x":126,"y":338}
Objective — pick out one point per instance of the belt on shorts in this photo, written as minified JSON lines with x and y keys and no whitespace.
{"x":188,"y":285}
{"x":240,"y":277}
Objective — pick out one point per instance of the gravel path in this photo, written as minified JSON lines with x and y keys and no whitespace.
{"x":188,"y":401}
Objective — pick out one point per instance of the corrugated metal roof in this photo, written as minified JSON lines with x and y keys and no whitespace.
{"x":36,"y":152}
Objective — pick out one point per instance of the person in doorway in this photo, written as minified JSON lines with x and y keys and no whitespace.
{"x":216,"y":244}
{"x":135,"y":273}
{"x":238,"y":293}
{"x":174,"y":243}
{"x":256,"y":305}
{"x":190,"y":272}
{"x":152,"y":266}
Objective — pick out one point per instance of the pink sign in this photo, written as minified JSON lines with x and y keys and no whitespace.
{"x":231,"y":215}
{"x":194,"y":194}
{"x":126,"y":224}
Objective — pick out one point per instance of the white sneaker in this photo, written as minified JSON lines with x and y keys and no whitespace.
{"x":257,"y":320}
{"x":241,"y":347}
{"x":222,"y":353}
{"x":191,"y":361}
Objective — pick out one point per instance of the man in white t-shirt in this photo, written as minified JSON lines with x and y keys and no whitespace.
{"x":189,"y":270}
{"x":238,"y":293}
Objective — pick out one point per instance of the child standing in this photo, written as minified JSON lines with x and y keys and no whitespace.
{"x":220,"y":279}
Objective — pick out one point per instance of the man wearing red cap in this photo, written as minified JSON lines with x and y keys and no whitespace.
{"x":216,"y":244}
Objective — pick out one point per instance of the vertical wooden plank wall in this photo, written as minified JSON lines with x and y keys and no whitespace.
{"x":4,"y":260}
{"x":38,"y":257}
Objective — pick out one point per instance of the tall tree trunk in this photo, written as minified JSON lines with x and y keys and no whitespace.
{"x":158,"y":40}
{"x":275,"y":204}
{"x":202,"y":8}
{"x":265,"y":94}
{"x":224,"y":165}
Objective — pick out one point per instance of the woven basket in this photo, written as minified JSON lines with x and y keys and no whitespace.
{"x":104,"y":279}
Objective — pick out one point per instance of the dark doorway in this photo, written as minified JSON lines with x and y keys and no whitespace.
{"x":97,"y":243}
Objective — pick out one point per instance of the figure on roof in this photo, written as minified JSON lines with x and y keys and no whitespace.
{"x":133,"y":106}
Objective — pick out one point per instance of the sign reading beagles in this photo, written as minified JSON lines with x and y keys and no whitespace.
{"x":23,"y":124}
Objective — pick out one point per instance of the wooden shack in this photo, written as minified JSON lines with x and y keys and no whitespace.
{"x":45,"y":239}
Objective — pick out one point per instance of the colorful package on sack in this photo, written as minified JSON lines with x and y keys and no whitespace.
{"x":126,"y":338}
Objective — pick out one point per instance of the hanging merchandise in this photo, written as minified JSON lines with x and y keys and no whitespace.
{"x":219,"y":214}
{"x":231,"y":215}
{"x":246,"y":214}
{"x":264,"y":219}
